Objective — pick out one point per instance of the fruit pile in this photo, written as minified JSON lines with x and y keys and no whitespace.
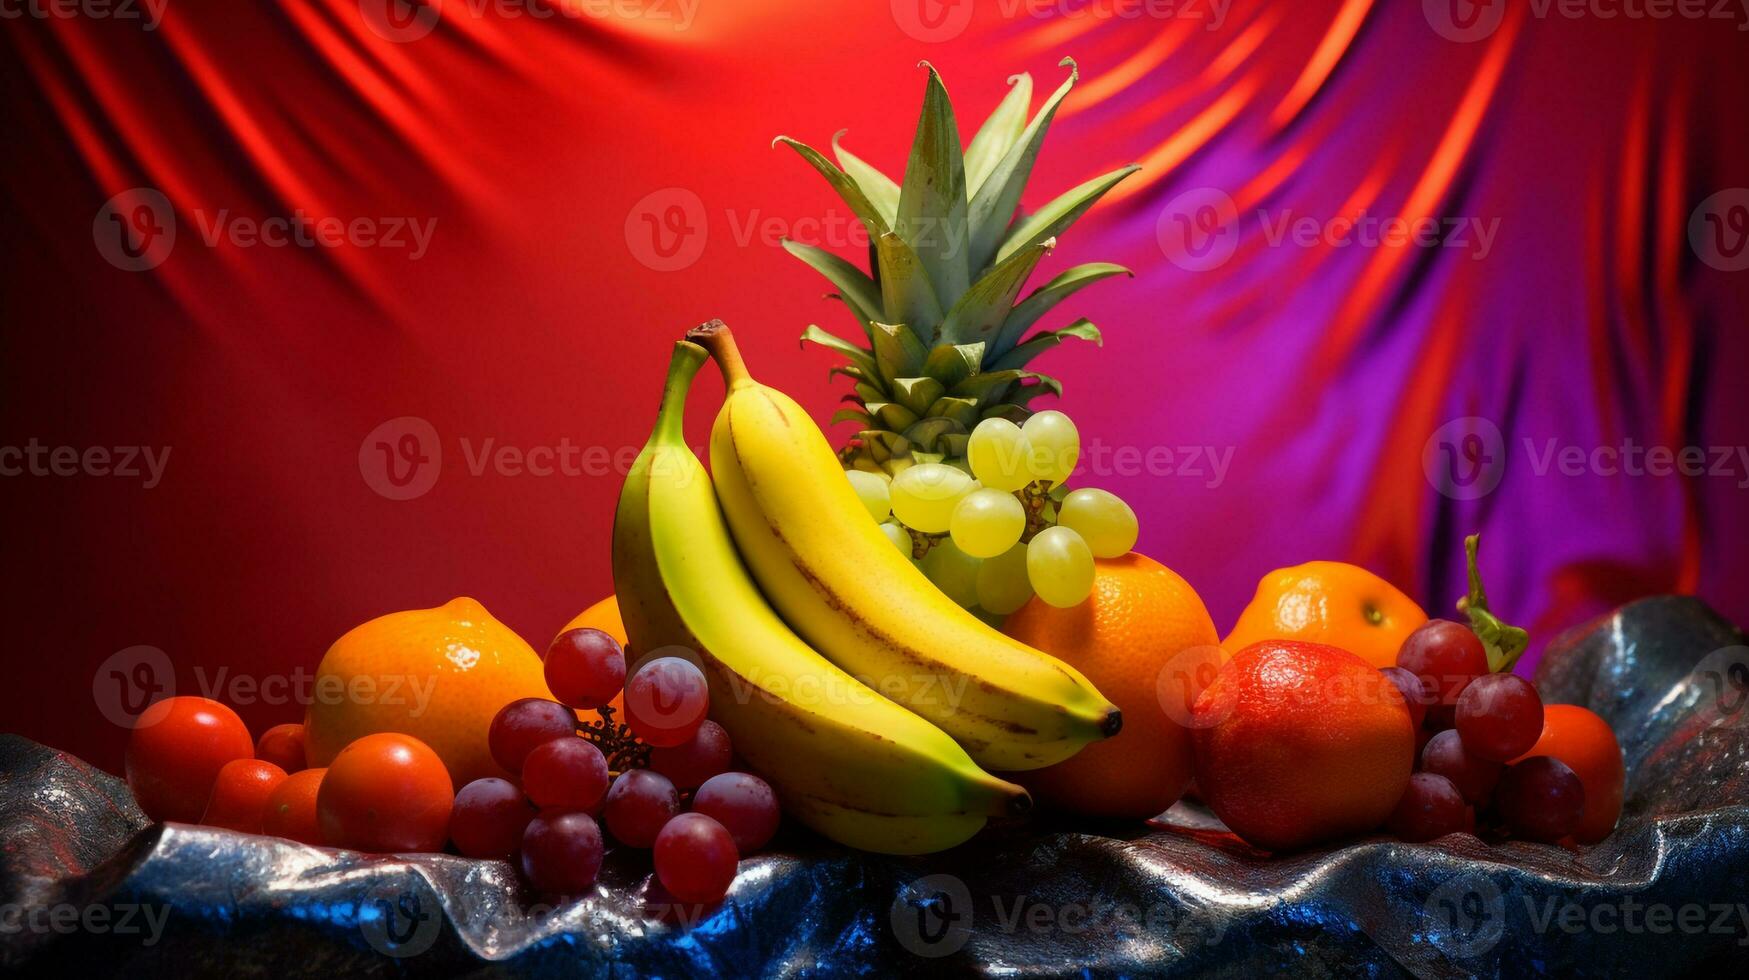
{"x":190,"y":759}
{"x":1300,"y":742}
{"x":1009,"y":529}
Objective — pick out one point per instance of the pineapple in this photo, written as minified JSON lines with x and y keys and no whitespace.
{"x":944,"y":340}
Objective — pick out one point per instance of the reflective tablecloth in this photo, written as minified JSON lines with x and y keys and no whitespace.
{"x":88,"y":885}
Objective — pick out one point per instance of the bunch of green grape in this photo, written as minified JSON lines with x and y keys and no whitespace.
{"x":1009,"y":529}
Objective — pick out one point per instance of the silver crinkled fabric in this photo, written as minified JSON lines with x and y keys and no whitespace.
{"x":90,"y":887}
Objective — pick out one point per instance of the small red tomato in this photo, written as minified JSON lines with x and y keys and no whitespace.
{"x":385,"y":793}
{"x":283,"y":745}
{"x":176,"y":751}
{"x":1586,"y":743}
{"x":290,"y":811}
{"x":240,"y":795}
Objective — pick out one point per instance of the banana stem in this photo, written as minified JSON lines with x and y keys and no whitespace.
{"x":682,"y":368}
{"x":715,"y":337}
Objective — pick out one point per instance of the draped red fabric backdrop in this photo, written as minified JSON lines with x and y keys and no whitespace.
{"x":1403,"y":271}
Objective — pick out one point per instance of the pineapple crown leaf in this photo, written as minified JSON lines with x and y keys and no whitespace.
{"x":950,"y":253}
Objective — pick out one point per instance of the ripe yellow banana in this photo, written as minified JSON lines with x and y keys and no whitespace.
{"x":844,"y":760}
{"x":837,"y":580}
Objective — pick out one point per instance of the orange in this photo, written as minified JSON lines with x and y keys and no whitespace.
{"x":439,"y":675}
{"x":1140,"y":616}
{"x":1329,"y":602}
{"x":1301,"y":743}
{"x":1586,"y":743}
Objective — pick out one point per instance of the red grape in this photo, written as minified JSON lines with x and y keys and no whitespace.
{"x":1474,"y":776}
{"x":666,"y":701}
{"x":569,"y":772}
{"x":1431,"y":807}
{"x":1500,"y":716}
{"x":744,"y":804}
{"x":695,"y":858}
{"x":488,"y":818}
{"x":1540,"y":799}
{"x":1446,"y":656}
{"x":689,"y":764}
{"x":561,"y":852}
{"x":585,"y":667}
{"x":522,"y":725}
{"x":1414,"y":695}
{"x":640,"y":803}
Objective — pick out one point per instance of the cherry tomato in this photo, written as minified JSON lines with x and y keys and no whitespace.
{"x":290,"y":811}
{"x":240,"y":794}
{"x":283,"y":745}
{"x":385,"y":793}
{"x":1585,"y":742}
{"x":176,"y":751}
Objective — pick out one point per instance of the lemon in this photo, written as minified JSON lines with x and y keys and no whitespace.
{"x":439,"y":675}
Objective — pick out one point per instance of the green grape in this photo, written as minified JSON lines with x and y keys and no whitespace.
{"x":1060,"y":567}
{"x":871,"y":489}
{"x":1101,"y":518}
{"x":953,"y":572}
{"x":900,"y":537}
{"x":923,"y":497}
{"x":998,"y":454}
{"x":1056,"y":445}
{"x":987,"y":522}
{"x":1002,"y":583}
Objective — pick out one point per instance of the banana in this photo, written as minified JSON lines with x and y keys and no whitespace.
{"x":834,"y":577}
{"x":844,"y":760}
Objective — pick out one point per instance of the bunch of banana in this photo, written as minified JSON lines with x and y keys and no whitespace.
{"x":824,"y":563}
{"x":846,"y":761}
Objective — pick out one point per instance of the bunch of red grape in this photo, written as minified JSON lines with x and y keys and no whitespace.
{"x":1472,"y":724}
{"x":550,"y":821}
